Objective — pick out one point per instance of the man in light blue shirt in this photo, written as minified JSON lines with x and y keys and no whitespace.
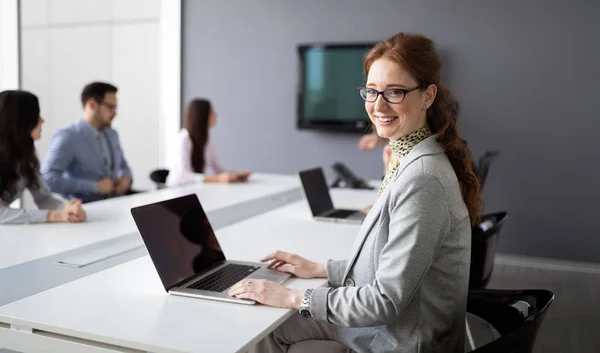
{"x":85,"y":159}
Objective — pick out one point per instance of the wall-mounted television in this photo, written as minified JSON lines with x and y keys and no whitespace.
{"x":328,"y":98}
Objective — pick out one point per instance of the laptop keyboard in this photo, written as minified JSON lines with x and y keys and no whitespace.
{"x":341,"y":214}
{"x":224,"y":278}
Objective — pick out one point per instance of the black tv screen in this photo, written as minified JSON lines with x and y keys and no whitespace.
{"x":328,"y":98}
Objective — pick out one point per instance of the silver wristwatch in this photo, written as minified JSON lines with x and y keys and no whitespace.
{"x":305,"y":306}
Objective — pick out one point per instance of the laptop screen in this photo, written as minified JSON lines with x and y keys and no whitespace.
{"x":316,"y":190}
{"x":179,"y":238}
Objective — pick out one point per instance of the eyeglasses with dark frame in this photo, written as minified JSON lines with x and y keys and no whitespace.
{"x":392,"y":95}
{"x":109,"y":106}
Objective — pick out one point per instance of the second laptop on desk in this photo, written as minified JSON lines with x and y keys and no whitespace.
{"x":187,"y":255}
{"x":317,"y":194}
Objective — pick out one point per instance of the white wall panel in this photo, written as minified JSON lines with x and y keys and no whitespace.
{"x":136,"y":73}
{"x":135,"y":9}
{"x":35,"y":63}
{"x":79,"y":11}
{"x":170,"y":79}
{"x":9,"y":44}
{"x":9,"y":50}
{"x":34,"y":13}
{"x":77,"y":56}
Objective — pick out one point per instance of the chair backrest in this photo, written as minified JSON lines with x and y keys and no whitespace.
{"x":484,"y":238}
{"x":483,"y":166}
{"x":159,"y":177}
{"x":516,"y":314}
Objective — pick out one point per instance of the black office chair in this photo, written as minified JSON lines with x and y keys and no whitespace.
{"x":159,"y":177}
{"x":482,"y":167}
{"x":484,"y":238}
{"x":515,"y":314}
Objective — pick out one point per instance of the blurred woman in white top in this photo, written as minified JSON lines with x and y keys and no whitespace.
{"x":195,"y":152}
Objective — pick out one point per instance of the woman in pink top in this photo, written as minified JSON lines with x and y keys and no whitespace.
{"x":195,"y":153}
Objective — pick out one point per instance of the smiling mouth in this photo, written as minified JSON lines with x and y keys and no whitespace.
{"x":385,"y":120}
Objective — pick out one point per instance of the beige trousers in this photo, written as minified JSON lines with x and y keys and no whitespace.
{"x":300,"y":335}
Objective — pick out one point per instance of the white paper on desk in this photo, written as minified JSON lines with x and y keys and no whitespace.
{"x":95,"y":255}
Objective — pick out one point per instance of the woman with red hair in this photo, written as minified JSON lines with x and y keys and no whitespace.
{"x":404,"y":287}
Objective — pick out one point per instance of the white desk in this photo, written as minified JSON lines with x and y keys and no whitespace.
{"x":125,"y":308}
{"x":111,"y":218}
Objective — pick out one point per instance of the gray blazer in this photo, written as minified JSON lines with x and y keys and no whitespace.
{"x":43,"y":199}
{"x":405,"y":287}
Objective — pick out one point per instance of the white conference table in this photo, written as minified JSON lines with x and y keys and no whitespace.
{"x":111,"y":218}
{"x":126,"y":309}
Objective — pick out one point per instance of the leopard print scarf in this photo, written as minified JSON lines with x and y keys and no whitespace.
{"x":401,"y":148}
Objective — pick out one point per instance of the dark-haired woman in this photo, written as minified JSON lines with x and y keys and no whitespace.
{"x":20,"y":126}
{"x":404,"y":288}
{"x":196,"y":154}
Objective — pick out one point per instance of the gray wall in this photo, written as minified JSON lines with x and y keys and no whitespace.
{"x":525,"y":73}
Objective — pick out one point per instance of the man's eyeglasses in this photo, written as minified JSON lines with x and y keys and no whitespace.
{"x":392,"y":95}
{"x":112,"y":107}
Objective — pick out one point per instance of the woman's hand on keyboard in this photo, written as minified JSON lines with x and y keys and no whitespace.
{"x":295,"y":264}
{"x":268,"y":293}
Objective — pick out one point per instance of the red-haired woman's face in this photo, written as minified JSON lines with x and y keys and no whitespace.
{"x":393,"y":121}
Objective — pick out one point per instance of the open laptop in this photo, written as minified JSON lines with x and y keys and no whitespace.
{"x":187,"y":255}
{"x":317,"y":194}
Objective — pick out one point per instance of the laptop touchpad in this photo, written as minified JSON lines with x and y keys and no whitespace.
{"x":270,"y":275}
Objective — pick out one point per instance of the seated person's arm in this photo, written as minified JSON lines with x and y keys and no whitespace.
{"x":370,"y":141}
{"x":124,"y":169}
{"x":335,"y":272}
{"x":21,"y":216}
{"x":59,"y":158}
{"x":181,"y":172}
{"x":59,"y":211}
{"x":43,"y":197}
{"x":220,"y":178}
{"x":212,"y":161}
{"x":70,"y":212}
{"x":125,"y":179}
{"x":229,"y":177}
{"x":220,"y":175}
